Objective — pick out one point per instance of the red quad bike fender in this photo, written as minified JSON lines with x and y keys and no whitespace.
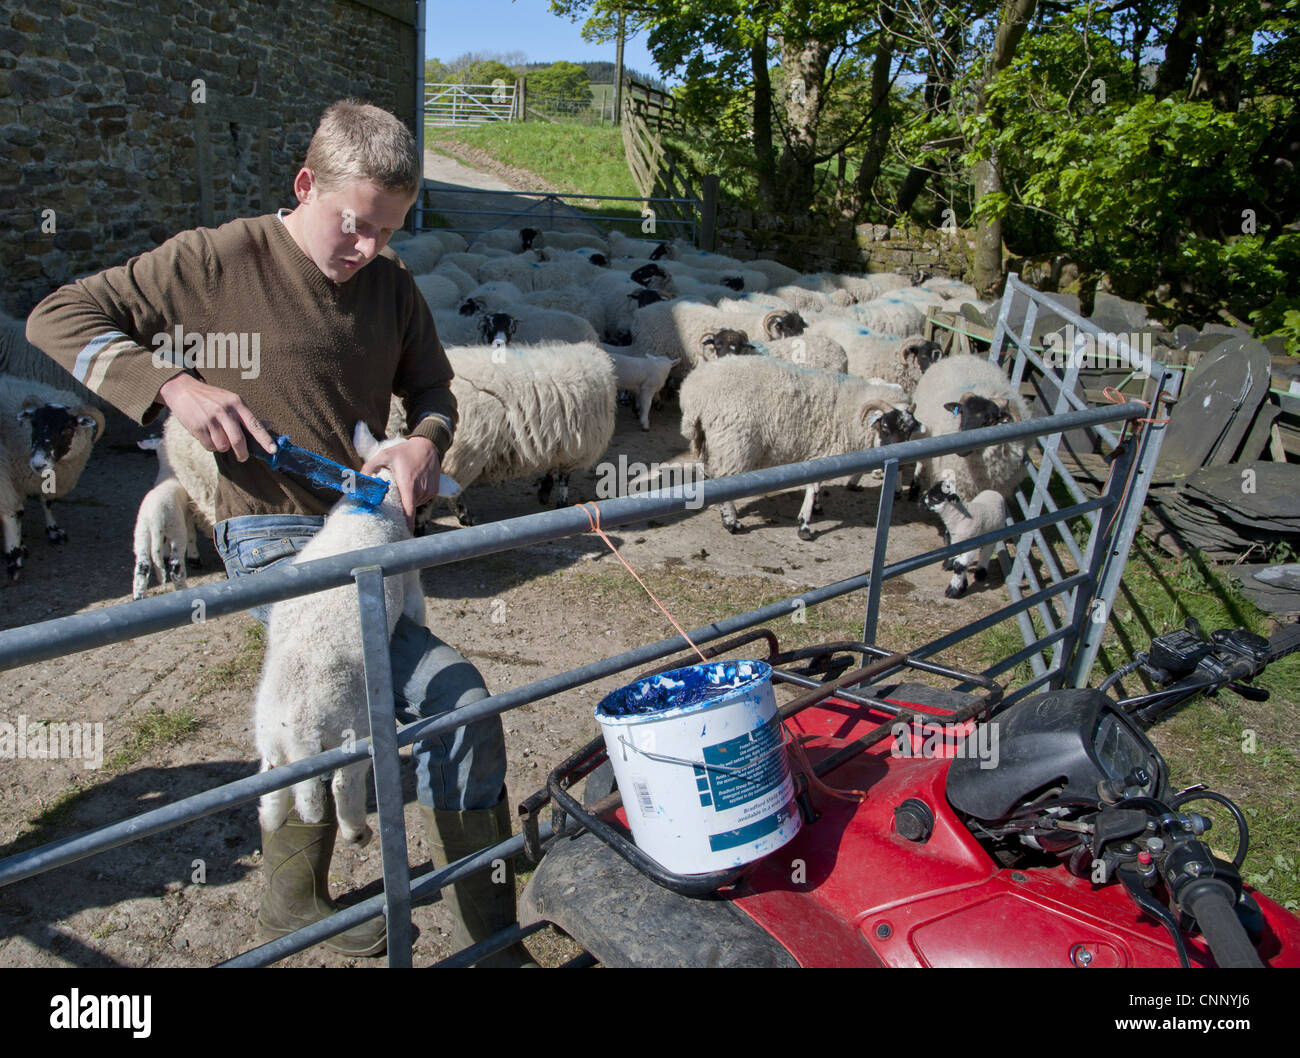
{"x":850,"y":890}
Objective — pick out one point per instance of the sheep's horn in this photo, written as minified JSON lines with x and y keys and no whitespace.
{"x":882,"y":406}
{"x":769,"y":319}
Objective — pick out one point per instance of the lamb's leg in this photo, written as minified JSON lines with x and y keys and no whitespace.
{"x":562,"y":499}
{"x":350,"y":802}
{"x":176,"y":565}
{"x":274,"y":807}
{"x":817,"y":493}
{"x":730,"y":522}
{"x":806,"y":512}
{"x":644,"y":397}
{"x":15,"y":553}
{"x":308,"y":795}
{"x":855,"y":483}
{"x":957,"y":586}
{"x":140,"y":577}
{"x":54,"y":533}
{"x":986,"y":555}
{"x":544,"y":489}
{"x":192,"y":556}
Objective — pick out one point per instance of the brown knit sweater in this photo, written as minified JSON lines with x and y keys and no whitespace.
{"x":244,"y":308}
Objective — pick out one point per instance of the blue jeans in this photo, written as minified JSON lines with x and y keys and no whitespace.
{"x":461,"y":770}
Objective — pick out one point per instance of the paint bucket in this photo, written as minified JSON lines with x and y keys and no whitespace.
{"x":698,"y":755}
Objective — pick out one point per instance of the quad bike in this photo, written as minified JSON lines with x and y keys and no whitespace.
{"x":1072,"y":850}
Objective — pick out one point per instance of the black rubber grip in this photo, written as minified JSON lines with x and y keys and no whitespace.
{"x":1284,"y":641}
{"x":1210,"y":903}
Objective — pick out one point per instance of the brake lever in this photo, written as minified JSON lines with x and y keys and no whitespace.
{"x":1128,"y":874}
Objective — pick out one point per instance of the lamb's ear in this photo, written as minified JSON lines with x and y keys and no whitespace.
{"x":364,"y":441}
{"x":28,"y":409}
{"x":953,"y":407}
{"x":1005,"y":412}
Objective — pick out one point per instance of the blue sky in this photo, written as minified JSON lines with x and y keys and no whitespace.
{"x":518,"y":25}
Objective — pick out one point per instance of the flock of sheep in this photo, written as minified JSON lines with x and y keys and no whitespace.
{"x":545,"y":330}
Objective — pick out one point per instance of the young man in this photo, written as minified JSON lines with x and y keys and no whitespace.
{"x":337,"y":327}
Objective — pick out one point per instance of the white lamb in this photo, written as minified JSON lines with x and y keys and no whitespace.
{"x":46,"y":435}
{"x":163,"y":537}
{"x":545,"y":409}
{"x":965,"y":521}
{"x":312,"y":696}
{"x":965,"y":393}
{"x":745,"y":413}
{"x":644,"y":377}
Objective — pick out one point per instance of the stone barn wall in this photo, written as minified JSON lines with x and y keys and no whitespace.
{"x":122,"y":123}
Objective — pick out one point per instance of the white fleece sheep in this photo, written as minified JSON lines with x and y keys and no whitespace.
{"x":778,"y":275}
{"x":805,"y":300}
{"x":508,"y":239}
{"x":968,"y":392}
{"x":620,"y":297}
{"x":520,"y":271}
{"x":46,"y":435}
{"x":312,"y":695}
{"x":683,"y":330}
{"x":440,"y":291}
{"x":194,"y":467}
{"x":745,"y":413}
{"x":890,"y":315}
{"x":451,"y":241}
{"x":621,"y":245}
{"x":496,"y":296}
{"x":463,"y":280}
{"x":965,"y":520}
{"x":570,"y":240}
{"x":643,"y":376}
{"x":536,"y":326}
{"x":574,"y":300}
{"x":809,"y":350}
{"x":543,"y":409}
{"x":420,"y":254}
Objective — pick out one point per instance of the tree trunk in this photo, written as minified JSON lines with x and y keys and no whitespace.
{"x":1179,"y":52}
{"x":764,"y":155}
{"x":987,"y":173}
{"x":882,"y":115}
{"x":804,"y":63}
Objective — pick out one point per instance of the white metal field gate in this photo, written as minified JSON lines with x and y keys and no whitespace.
{"x":468,"y":104}
{"x":1074,"y":622}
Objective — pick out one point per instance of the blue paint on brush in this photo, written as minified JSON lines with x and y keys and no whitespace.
{"x":323,"y":473}
{"x":682,"y":689}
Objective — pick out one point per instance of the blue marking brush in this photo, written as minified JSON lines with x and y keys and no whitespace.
{"x":322,"y":472}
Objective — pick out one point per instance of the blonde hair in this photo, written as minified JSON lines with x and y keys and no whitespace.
{"x":358,"y":141}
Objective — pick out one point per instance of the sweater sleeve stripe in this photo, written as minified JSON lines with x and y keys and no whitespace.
{"x":81,"y":369}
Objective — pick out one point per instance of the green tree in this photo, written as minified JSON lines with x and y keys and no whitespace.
{"x":561,"y":80}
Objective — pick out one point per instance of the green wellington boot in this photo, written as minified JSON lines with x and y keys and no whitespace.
{"x":483,"y":903}
{"x":297,"y":861}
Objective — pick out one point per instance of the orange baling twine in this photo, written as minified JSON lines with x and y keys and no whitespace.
{"x":798,"y":758}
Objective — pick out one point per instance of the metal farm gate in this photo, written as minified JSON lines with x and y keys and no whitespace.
{"x":448,"y":105}
{"x":1068,"y":583}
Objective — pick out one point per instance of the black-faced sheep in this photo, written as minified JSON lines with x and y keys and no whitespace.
{"x":745,"y":413}
{"x":966,"y":393}
{"x":46,"y":435}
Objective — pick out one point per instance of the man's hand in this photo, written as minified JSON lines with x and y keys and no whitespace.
{"x":216,"y":417}
{"x":415,"y":467}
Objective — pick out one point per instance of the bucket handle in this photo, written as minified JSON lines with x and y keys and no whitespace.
{"x":737,"y":773}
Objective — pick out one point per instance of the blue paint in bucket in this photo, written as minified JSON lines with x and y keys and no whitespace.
{"x":699,"y":757}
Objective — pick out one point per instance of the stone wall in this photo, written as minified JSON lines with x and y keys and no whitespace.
{"x":815,"y":244}
{"x":123,"y":122}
